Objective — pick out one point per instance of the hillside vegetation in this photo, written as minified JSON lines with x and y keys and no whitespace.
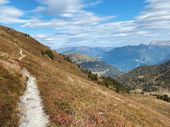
{"x":70,"y":99}
{"x":96,"y":66}
{"x":11,"y":87}
{"x":149,"y":79}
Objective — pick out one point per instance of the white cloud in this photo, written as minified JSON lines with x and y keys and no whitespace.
{"x":3,"y":2}
{"x":81,"y":26}
{"x":93,"y":3}
{"x":156,"y":15}
{"x":120,"y":35}
{"x":10,"y":14}
{"x":10,"y":11}
{"x":62,"y":7}
{"x":39,"y":9}
{"x":41,"y":36}
{"x":72,"y":24}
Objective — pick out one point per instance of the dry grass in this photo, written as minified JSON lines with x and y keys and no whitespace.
{"x":76,"y":101}
{"x":71,"y":100}
{"x":154,"y":103}
{"x":11,"y":87}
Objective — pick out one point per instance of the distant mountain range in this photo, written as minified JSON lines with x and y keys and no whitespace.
{"x":94,"y":65}
{"x":128,"y":57}
{"x":148,"y":78}
{"x":96,"y":52}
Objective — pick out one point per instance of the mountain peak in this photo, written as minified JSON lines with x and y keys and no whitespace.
{"x":160,"y":43}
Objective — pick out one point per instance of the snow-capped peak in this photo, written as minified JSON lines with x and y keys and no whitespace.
{"x":160,"y":43}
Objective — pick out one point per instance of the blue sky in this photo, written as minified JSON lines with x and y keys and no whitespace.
{"x":94,"y":23}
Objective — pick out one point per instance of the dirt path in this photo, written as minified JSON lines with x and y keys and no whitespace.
{"x":22,"y":55}
{"x":32,"y":113}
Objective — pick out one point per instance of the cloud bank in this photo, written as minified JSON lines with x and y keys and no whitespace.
{"x":71,"y":24}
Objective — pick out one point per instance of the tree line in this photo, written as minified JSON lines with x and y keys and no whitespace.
{"x":108,"y":82}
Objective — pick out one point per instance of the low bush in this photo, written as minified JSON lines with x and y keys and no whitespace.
{"x":108,"y":82}
{"x":91,"y":76}
{"x":26,"y":35}
{"x":67,"y":58}
{"x":114,"y":84}
{"x":164,"y":97}
{"x":65,"y":106}
{"x":149,"y":88}
{"x":48,"y":52}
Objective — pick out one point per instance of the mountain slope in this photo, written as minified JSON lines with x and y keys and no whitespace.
{"x":94,"y":65}
{"x":11,"y":87}
{"x":130,"y":57}
{"x":151,"y":78}
{"x":96,"y":52}
{"x":69,"y":97}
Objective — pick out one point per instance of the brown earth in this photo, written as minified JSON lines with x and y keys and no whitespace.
{"x":69,"y":97}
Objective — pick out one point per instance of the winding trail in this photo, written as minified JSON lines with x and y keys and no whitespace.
{"x":22,"y":55}
{"x":32,"y":113}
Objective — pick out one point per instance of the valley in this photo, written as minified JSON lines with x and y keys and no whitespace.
{"x":95,"y":65}
{"x":127,"y":58}
{"x":68,"y":96}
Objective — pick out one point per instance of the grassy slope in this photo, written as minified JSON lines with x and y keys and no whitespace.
{"x":149,"y":77}
{"x":70,"y":99}
{"x":11,"y":87}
